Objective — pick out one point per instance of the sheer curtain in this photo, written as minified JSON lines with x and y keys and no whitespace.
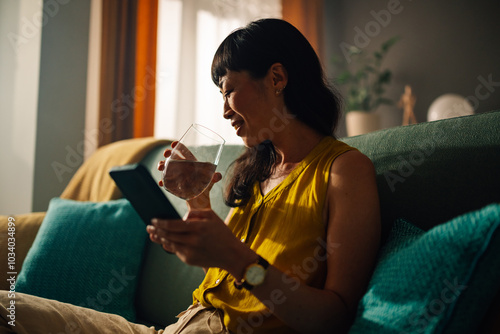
{"x":189,"y":32}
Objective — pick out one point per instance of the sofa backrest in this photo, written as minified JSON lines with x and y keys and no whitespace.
{"x":431,"y":172}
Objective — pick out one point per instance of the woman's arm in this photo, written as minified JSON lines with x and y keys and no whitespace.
{"x":353,"y":237}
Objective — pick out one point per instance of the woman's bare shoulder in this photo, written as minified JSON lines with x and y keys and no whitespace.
{"x":352,"y":163}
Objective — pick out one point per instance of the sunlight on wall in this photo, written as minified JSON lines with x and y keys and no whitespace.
{"x":169,"y":34}
{"x":21,"y":30}
{"x":209,"y":102}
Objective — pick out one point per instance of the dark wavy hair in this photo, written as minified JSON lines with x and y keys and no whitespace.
{"x":307,"y":95}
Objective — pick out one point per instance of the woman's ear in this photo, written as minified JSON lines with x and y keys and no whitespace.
{"x":279,"y":76}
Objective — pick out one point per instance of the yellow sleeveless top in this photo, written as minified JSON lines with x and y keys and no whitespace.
{"x":286,"y":228}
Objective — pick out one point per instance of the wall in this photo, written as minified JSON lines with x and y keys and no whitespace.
{"x":20,"y":38}
{"x":445,"y":47}
{"x":43,"y":61}
{"x":93,"y":78}
{"x":62,"y":95}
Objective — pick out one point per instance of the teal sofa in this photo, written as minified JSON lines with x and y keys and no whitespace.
{"x":427,"y":174}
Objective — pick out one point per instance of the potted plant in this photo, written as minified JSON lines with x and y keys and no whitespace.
{"x":363,"y":81}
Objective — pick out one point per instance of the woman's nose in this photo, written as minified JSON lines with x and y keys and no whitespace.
{"x":228,"y":112}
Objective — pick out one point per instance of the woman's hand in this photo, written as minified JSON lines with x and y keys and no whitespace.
{"x":200,"y":239}
{"x":202,"y":201}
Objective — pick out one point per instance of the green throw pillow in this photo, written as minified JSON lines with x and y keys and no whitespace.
{"x":87,"y":254}
{"x":439,"y":281}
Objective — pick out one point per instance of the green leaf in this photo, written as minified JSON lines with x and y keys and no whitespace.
{"x":389,"y":43}
{"x":344,"y":77}
{"x":362,"y":78}
{"x":385,"y":77}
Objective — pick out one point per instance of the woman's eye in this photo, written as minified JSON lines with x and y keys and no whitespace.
{"x":227,"y":93}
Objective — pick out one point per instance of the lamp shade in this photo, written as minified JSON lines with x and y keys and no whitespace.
{"x":448,"y":106}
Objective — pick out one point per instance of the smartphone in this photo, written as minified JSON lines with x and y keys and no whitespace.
{"x":142,"y":191}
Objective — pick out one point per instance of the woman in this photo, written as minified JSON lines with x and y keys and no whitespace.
{"x":296,"y":251}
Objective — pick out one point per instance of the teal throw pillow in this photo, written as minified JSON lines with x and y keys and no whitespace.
{"x":439,"y":281}
{"x":87,"y":254}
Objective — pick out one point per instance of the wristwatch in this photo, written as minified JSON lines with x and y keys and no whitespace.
{"x":254,"y":275}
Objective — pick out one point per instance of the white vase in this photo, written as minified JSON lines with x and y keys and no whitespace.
{"x":361,"y":122}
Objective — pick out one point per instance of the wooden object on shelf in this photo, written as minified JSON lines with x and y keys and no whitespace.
{"x":407,"y":102}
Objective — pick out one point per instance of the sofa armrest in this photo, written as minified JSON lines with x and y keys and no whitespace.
{"x":26,"y":227}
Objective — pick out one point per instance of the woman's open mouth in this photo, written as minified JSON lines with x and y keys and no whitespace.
{"x":237,"y":126}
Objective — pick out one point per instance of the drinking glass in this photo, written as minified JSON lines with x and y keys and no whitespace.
{"x":192,"y":162}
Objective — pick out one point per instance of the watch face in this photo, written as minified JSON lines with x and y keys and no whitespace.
{"x":255,"y":275}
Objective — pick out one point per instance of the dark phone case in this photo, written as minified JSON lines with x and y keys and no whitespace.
{"x":142,"y":191}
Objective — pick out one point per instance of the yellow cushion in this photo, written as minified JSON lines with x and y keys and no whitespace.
{"x":25,"y":229}
{"x":92,"y":181}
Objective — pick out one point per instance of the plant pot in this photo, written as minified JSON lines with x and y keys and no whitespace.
{"x":361,"y":122}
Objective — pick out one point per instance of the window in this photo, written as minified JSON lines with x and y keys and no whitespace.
{"x":189,"y":32}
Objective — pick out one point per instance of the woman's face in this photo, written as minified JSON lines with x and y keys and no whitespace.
{"x":248,"y":104}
